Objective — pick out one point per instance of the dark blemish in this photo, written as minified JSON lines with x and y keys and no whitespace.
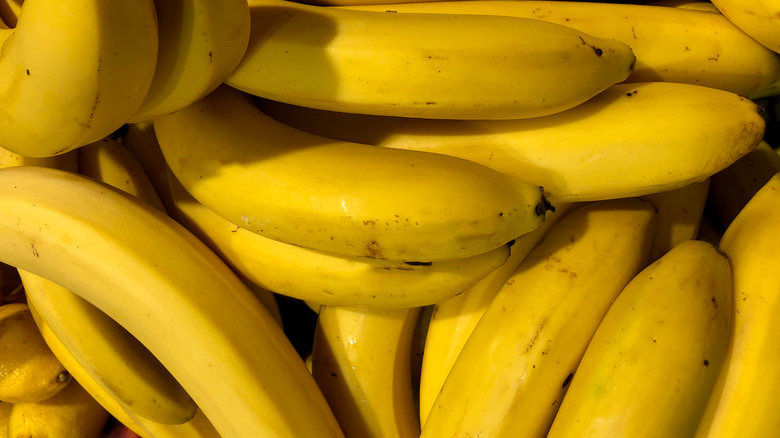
{"x":334,"y":375}
{"x":28,"y":72}
{"x":419,"y":263}
{"x":369,"y":222}
{"x":706,"y":363}
{"x":567,"y":380}
{"x":34,"y":250}
{"x":211,"y":57}
{"x":631,"y":93}
{"x":596,"y":50}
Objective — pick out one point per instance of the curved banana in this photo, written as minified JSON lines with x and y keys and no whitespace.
{"x":733,"y":186}
{"x":112,"y":357}
{"x":512,"y":372}
{"x":670,"y":44}
{"x":169,"y":291}
{"x":361,"y":358}
{"x":654,"y":359}
{"x":679,"y":215}
{"x":201,"y":42}
{"x":748,"y":385}
{"x":141,"y":141}
{"x":630,"y":140}
{"x":197,"y":427}
{"x":346,"y":198}
{"x":67,"y":161}
{"x":327,"y":278}
{"x":72,"y":72}
{"x":453,"y":319}
{"x":758,"y":18}
{"x":430,"y":66}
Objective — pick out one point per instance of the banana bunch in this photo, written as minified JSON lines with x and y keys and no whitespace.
{"x":354,"y":218}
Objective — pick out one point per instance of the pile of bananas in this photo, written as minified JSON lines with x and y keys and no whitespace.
{"x":349,"y":218}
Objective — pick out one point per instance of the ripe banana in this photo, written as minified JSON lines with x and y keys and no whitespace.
{"x":71,"y":413}
{"x":197,"y":427}
{"x":111,"y":356}
{"x":745,"y":395}
{"x":512,"y":372}
{"x":74,"y":71}
{"x":361,"y":358}
{"x":327,"y":278}
{"x":670,"y":44}
{"x":430,"y":66}
{"x":679,"y":215}
{"x":733,"y":186}
{"x":169,"y":291}
{"x":201,"y":42}
{"x":141,"y":141}
{"x":654,"y":359}
{"x":630,"y":140}
{"x":340,"y":197}
{"x":68,"y":161}
{"x":758,"y":18}
{"x":453,"y":319}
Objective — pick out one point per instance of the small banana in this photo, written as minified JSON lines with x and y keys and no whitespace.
{"x":71,"y":413}
{"x":326,"y":278}
{"x":453,"y":319}
{"x":68,"y":161}
{"x":630,"y":140}
{"x":513,"y":370}
{"x":169,"y":291}
{"x":111,"y":356}
{"x":679,"y":215}
{"x":430,"y":66}
{"x":361,"y":358}
{"x":340,"y":197}
{"x":758,"y":18}
{"x":670,"y":44}
{"x":743,"y":400}
{"x":201,"y":42}
{"x":72,"y":72}
{"x":654,"y":359}
{"x":197,"y":427}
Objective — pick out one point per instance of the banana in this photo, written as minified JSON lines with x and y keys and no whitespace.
{"x":698,"y":5}
{"x":67,"y":161}
{"x":429,"y":66}
{"x":733,"y":186}
{"x":201,"y":42}
{"x":654,"y":359}
{"x":361,"y":358}
{"x":197,"y":427}
{"x":758,"y":18}
{"x":743,"y":400}
{"x":72,"y":72}
{"x":71,"y":413}
{"x":512,"y":372}
{"x":118,"y":361}
{"x":326,"y":278}
{"x":346,"y":198}
{"x":169,"y":291}
{"x":630,"y":140}
{"x":679,"y":215}
{"x":453,"y":319}
{"x":141,"y":141}
{"x":670,"y":44}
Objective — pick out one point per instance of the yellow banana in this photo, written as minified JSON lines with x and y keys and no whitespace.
{"x":341,"y":197}
{"x":197,"y":427}
{"x":72,"y":72}
{"x":679,"y":215}
{"x":361,"y":358}
{"x":654,"y":359}
{"x":453,"y":319}
{"x":743,"y":400}
{"x":431,"y":66}
{"x":141,"y":141}
{"x":327,"y":278}
{"x":758,"y":18}
{"x":169,"y":291}
{"x":71,"y":413}
{"x":512,"y":372}
{"x":699,"y":5}
{"x":201,"y":42}
{"x":115,"y":359}
{"x":68,"y":161}
{"x":733,"y":186}
{"x":630,"y":140}
{"x":670,"y":44}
